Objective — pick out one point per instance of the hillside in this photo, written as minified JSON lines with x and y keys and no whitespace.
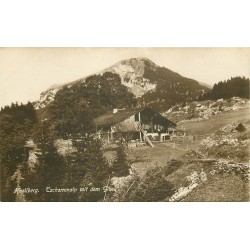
{"x":151,"y":84}
{"x":228,"y":175}
{"x":203,"y":110}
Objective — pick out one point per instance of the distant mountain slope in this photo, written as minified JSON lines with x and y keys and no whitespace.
{"x":206,"y":85}
{"x":171,"y":88}
{"x":153,"y":85}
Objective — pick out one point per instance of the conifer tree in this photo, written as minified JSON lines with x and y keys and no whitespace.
{"x":50,"y":169}
{"x":90,"y":160}
{"x":121,"y":164}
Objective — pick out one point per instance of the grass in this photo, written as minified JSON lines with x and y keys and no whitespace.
{"x":206,"y":127}
{"x":221,"y":188}
{"x":178,"y":178}
{"x":144,"y":158}
{"x":216,"y":188}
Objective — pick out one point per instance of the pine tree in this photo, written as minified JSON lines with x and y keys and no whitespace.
{"x":50,"y":169}
{"x":94,"y":171}
{"x":121,"y":164}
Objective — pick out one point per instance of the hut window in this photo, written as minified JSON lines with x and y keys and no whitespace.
{"x":137,"y":117}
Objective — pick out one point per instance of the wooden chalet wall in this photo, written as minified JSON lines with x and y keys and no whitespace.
{"x":127,"y":125}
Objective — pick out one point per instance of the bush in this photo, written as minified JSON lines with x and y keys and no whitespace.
{"x":153,"y":187}
{"x":172,"y":166}
{"x":240,"y":128}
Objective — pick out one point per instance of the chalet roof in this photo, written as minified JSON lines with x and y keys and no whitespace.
{"x":111,"y":119}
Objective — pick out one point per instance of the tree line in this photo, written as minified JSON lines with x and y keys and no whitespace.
{"x":16,"y":123}
{"x":85,"y":167}
{"x":234,"y":87}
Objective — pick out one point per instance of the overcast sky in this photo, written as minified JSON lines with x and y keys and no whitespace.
{"x":26,"y":72}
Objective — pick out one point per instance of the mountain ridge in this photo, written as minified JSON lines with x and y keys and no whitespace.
{"x":140,"y":75}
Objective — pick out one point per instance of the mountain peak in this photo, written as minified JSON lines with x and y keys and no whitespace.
{"x":142,"y":76}
{"x":136,"y":66}
{"x":139,"y":59}
{"x":137,"y":62}
{"x":145,"y":59}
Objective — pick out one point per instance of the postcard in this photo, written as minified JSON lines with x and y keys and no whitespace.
{"x":124,"y":124}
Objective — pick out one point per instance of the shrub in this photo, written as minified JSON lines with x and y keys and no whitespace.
{"x":172,"y":166}
{"x":240,"y":128}
{"x":153,"y":187}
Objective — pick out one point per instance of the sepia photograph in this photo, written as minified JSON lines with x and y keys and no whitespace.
{"x":124,"y":124}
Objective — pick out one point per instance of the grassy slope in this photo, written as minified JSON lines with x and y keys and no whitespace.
{"x":216,"y":188}
{"x":206,"y":127}
{"x":144,"y":158}
{"x":220,"y":188}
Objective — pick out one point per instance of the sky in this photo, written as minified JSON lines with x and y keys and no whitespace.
{"x":26,"y":72}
